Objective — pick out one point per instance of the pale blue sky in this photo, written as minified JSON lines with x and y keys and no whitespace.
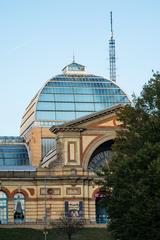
{"x":38,"y":38}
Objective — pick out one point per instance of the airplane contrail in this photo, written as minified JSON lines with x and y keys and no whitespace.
{"x":22,"y":45}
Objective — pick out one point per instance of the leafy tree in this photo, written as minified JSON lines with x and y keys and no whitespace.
{"x":131,"y":181}
{"x":69,"y":225}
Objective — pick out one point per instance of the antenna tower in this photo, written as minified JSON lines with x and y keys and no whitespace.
{"x":112,"y":55}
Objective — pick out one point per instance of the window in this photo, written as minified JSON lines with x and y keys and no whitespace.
{"x":3,"y":208}
{"x":19,"y":208}
{"x":47,"y":145}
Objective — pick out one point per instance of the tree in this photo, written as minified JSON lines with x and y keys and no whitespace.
{"x":69,"y":225}
{"x":131,"y":180}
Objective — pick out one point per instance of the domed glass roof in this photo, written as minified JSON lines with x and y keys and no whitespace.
{"x":71,"y":95}
{"x":13,"y":152}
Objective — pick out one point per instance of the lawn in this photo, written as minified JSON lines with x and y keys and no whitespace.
{"x":31,"y":234}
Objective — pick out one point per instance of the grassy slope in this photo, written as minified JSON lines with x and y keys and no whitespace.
{"x":30,"y":234}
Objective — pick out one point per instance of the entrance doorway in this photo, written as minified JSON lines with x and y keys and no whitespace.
{"x":101,"y":212}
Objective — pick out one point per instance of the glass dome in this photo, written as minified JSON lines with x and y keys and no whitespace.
{"x":71,"y":95}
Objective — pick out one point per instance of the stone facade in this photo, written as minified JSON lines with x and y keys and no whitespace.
{"x":65,"y":181}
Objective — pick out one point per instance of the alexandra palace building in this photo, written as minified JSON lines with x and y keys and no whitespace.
{"x":66,"y":135}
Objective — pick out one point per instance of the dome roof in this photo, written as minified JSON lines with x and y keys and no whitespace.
{"x":71,"y":95}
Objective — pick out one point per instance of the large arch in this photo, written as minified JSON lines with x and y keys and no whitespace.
{"x":95,"y":144}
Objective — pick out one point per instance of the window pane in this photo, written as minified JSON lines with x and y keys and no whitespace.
{"x":62,"y":98}
{"x":45,"y":115}
{"x":46,"y":97}
{"x":46,"y":106}
{"x":84,"y":98}
{"x":66,"y":116}
{"x":81,"y":114}
{"x":85,"y":106}
{"x":65,"y":106}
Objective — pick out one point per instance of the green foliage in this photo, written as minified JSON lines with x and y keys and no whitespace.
{"x":131,"y":181}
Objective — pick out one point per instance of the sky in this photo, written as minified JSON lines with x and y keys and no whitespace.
{"x":38,"y":38}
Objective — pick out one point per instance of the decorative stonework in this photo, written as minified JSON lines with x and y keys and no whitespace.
{"x":50,"y":191}
{"x":73,"y":191}
{"x":86,"y":140}
{"x":31,"y":191}
{"x":73,"y":172}
{"x":71,"y":151}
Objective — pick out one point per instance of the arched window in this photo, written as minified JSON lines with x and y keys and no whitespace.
{"x":19,"y":208}
{"x":101,"y":156}
{"x":3,"y":208}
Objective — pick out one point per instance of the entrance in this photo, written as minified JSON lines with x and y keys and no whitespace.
{"x":101,"y":212}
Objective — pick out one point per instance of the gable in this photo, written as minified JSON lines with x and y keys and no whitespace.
{"x":107,"y":122}
{"x":102,"y":119}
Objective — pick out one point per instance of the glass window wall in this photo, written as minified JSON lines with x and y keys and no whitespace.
{"x":13,"y":155}
{"x":66,"y":97}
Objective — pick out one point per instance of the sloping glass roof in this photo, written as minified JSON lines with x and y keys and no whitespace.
{"x":13,"y":155}
{"x":11,"y":139}
{"x":71,"y":95}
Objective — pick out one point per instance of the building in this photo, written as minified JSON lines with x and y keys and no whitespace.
{"x":66,"y":134}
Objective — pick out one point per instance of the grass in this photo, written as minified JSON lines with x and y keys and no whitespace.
{"x":32,"y":234}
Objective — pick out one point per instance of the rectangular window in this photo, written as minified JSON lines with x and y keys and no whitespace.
{"x":65,"y":106}
{"x":45,"y":115}
{"x":84,"y":107}
{"x":65,"y":115}
{"x":47,"y":145}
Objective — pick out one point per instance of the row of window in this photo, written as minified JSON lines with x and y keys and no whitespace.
{"x":83,"y":98}
{"x":70,"y":113}
{"x":71,"y":208}
{"x":63,"y":116}
{"x":82,"y":84}
{"x":83,"y":91}
{"x":69,"y":90}
{"x":70,"y":77}
{"x":71,"y":106}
